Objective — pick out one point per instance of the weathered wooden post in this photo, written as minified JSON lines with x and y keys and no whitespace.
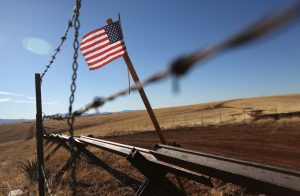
{"x":39,"y":134}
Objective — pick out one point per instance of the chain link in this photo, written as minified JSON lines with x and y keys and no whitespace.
{"x":71,"y":118}
{"x":178,"y":68}
{"x":74,"y":68}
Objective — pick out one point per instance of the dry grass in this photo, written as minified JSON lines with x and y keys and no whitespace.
{"x":223,"y":112}
{"x":16,"y":144}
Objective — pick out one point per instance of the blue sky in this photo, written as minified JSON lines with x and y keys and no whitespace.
{"x":155,"y":33}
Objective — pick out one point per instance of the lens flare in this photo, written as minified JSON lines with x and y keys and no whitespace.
{"x":37,"y":46}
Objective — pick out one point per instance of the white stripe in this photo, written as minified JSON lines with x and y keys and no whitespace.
{"x":105,"y":54}
{"x":102,"y":49}
{"x":92,"y":35}
{"x":93,"y":41}
{"x":107,"y":59}
{"x":96,"y":46}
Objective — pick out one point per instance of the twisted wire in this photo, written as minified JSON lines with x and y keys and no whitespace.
{"x":58,"y":48}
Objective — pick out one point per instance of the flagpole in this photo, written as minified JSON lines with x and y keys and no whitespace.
{"x":144,"y":98}
{"x":149,"y":109}
{"x":146,"y":103}
{"x":142,"y":93}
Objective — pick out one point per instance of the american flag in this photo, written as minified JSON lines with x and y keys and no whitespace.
{"x":103,"y":45}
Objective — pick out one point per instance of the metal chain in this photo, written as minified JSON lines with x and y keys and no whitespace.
{"x":182,"y":65}
{"x":74,"y":67}
{"x":58,"y":48}
{"x":71,"y":118}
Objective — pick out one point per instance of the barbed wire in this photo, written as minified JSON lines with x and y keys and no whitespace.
{"x":71,"y":118}
{"x":178,"y":68}
{"x":53,"y":130}
{"x":184,"y":64}
{"x":58,"y":48}
{"x":55,"y":117}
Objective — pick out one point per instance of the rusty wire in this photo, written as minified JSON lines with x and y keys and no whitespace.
{"x":183,"y":65}
{"x":54,"y":117}
{"x":58,"y":48}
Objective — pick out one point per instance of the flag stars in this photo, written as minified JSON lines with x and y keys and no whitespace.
{"x":114,"y":32}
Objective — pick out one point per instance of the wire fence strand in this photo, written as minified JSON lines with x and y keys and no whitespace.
{"x":58,"y":48}
{"x":181,"y":66}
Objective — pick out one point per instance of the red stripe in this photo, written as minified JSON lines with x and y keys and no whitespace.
{"x":95,"y":49}
{"x":105,"y":51}
{"x":107,"y":56}
{"x":92,"y":38}
{"x":106,"y":62}
{"x":98,"y":48}
{"x":95,"y":43}
{"x":93,"y":32}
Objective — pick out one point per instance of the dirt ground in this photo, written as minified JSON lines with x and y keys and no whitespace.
{"x":273,"y":142}
{"x":269,"y":143}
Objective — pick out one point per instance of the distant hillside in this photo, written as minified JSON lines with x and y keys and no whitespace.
{"x":246,"y":110}
{"x":4,"y":121}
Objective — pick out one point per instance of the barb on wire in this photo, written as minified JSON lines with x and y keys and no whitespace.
{"x":55,"y":117}
{"x":182,"y":65}
{"x":58,"y":48}
{"x":249,"y":34}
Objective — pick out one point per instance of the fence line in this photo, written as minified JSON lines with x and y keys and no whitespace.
{"x":178,"y":68}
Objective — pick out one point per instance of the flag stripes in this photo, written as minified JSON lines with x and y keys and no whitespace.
{"x":103,"y":45}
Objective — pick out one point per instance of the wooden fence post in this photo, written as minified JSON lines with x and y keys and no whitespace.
{"x":39,"y":134}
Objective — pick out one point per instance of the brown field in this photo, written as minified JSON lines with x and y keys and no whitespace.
{"x":227,"y":128}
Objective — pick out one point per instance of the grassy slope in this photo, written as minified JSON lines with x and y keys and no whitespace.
{"x":15,"y":145}
{"x":232,"y":111}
